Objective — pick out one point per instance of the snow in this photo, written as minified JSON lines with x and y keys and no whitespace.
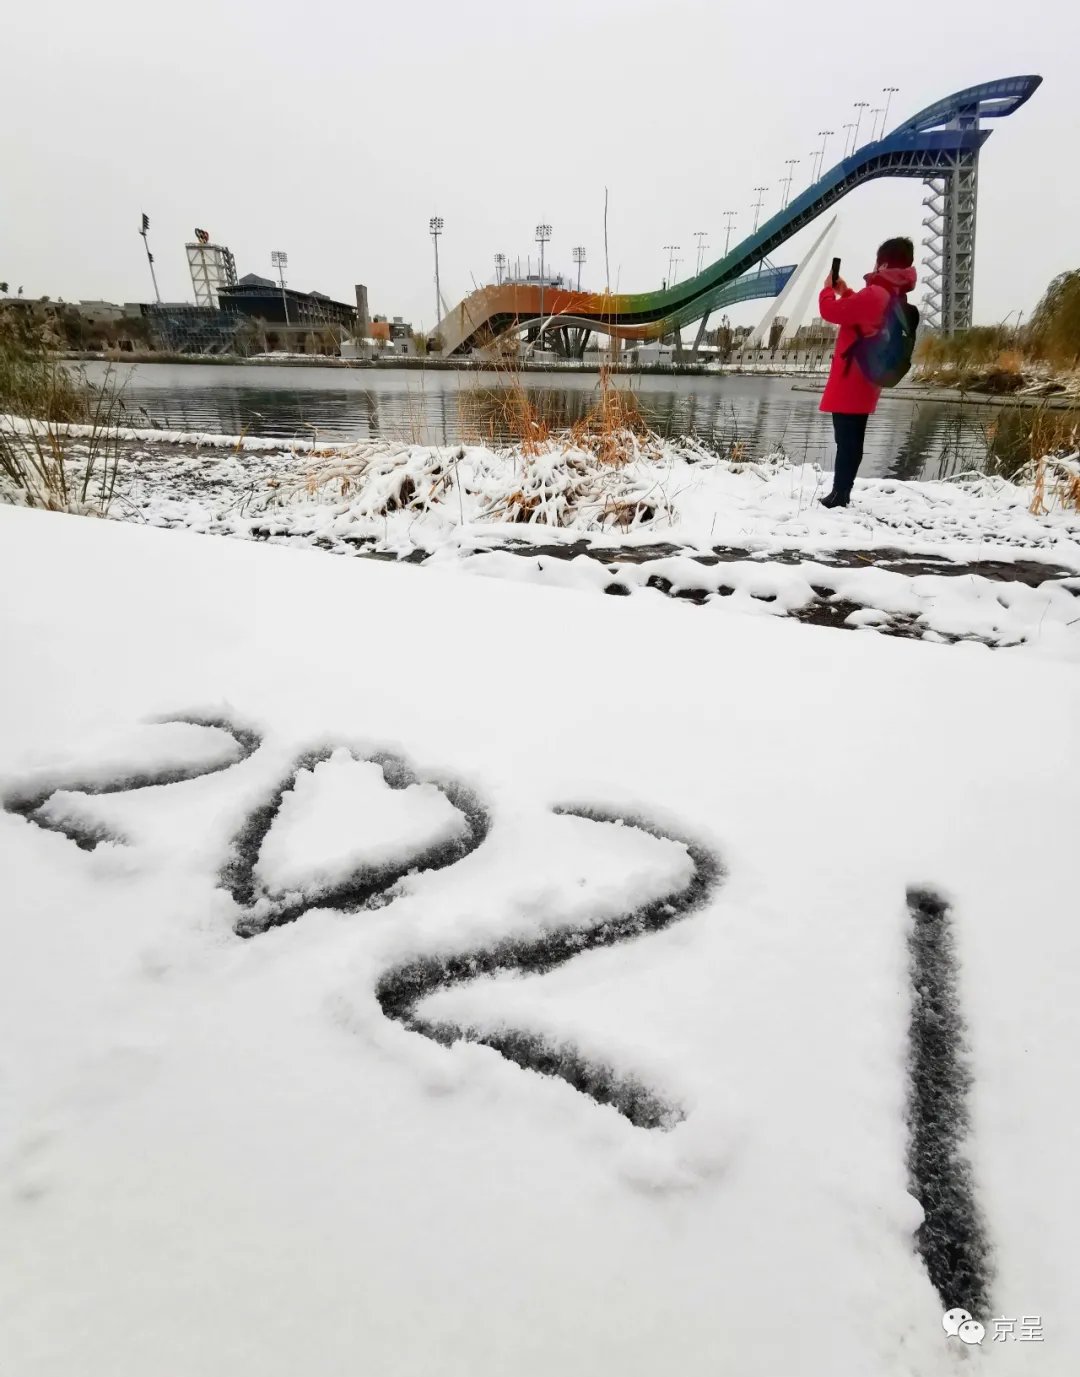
{"x":154,"y":435}
{"x":340,"y":813}
{"x":487,"y":510}
{"x":672,"y":491}
{"x":963,"y":559}
{"x":220,"y":1155}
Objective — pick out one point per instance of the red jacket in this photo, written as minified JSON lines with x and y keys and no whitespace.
{"x":848,"y":388}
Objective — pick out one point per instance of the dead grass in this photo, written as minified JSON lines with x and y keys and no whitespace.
{"x":1055,"y":484}
{"x":613,"y":429}
{"x":1052,"y":466}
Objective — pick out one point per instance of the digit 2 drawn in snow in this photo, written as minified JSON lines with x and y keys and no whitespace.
{"x":29,"y":801}
{"x":401,"y":989}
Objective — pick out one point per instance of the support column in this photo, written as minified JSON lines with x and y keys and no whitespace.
{"x":700,"y":335}
{"x":966,"y":196}
{"x":934,"y":251}
{"x":950,"y":243}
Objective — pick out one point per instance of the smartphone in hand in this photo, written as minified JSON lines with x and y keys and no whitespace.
{"x":835,"y":271}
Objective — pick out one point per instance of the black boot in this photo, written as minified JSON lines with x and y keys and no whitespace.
{"x":833,"y":499}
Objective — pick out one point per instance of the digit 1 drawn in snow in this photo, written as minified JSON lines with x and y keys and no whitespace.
{"x":28,"y":800}
{"x":401,"y":989}
{"x":951,"y":1239}
{"x":364,"y":885}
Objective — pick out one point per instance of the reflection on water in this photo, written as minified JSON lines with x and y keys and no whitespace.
{"x":733,"y":415}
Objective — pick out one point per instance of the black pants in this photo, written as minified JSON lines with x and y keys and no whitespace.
{"x":850,"y":432}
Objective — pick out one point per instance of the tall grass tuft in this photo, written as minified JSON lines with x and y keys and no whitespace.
{"x":60,"y":446}
{"x":613,"y":427}
{"x":1054,"y":331}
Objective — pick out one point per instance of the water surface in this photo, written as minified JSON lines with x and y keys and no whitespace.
{"x":732,"y":414}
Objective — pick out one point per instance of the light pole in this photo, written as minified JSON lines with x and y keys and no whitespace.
{"x":280,"y":261}
{"x":875,"y":111}
{"x":149,"y":256}
{"x":672,"y":250}
{"x":761,"y":190}
{"x":543,"y":235}
{"x":578,"y":255}
{"x":790,"y":163}
{"x":851,"y":127}
{"x":826,"y":135}
{"x":500,"y":265}
{"x":699,"y":235}
{"x":729,"y":216}
{"x":860,"y":105}
{"x":435,"y":228}
{"x":888,"y":92}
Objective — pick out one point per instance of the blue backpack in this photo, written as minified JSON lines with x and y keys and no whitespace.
{"x":885,"y":357}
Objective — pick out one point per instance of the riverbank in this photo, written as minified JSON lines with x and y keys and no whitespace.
{"x":465,"y":364}
{"x":963,"y":559}
{"x":1036,"y":394}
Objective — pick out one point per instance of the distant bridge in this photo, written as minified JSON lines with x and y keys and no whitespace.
{"x":940,"y":145}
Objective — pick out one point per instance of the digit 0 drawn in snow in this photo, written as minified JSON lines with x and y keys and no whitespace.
{"x":951,"y":1239}
{"x":402,"y":988}
{"x":29,"y":800}
{"x":365,"y":883}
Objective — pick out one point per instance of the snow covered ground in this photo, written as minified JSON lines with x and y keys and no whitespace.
{"x":942,"y":560}
{"x":322,"y":1148}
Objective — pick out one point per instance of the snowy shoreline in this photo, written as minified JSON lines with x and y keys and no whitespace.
{"x":674,"y":521}
{"x":942,"y":560}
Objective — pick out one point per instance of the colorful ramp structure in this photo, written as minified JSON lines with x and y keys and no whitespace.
{"x":940,"y":146}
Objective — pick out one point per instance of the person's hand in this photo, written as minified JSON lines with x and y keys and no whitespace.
{"x":839,"y":286}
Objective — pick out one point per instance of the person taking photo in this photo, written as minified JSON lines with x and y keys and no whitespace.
{"x":873,"y":350}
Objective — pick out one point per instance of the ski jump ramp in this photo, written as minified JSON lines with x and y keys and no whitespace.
{"x":940,"y":146}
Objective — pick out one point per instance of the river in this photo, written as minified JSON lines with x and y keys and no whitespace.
{"x":734,"y":414}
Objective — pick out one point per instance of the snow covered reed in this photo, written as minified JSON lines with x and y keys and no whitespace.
{"x":563,"y":483}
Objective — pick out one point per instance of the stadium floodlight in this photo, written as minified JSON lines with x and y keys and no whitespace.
{"x":280,"y":260}
{"x":578,"y":255}
{"x":435,"y":228}
{"x":543,"y":235}
{"x":144,"y":231}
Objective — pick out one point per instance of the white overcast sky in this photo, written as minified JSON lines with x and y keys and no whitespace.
{"x":334,"y":129}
